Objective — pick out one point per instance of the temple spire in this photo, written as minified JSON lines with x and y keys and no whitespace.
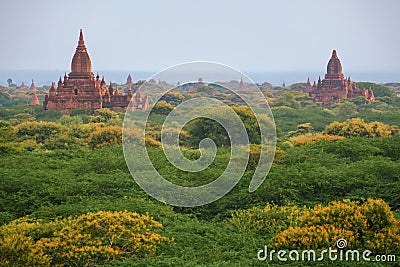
{"x":81,"y":65}
{"x":52,"y":91}
{"x":129,"y":80}
{"x":34,"y":99}
{"x":81,"y":42}
{"x":308,"y":85}
{"x":138,"y":95}
{"x":111,"y":89}
{"x":60,"y":83}
{"x":33,"y":87}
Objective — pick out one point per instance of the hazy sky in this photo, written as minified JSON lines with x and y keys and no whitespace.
{"x":248,"y":35}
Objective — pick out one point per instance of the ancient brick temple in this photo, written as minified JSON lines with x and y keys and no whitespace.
{"x":335,"y":87}
{"x":80,"y":89}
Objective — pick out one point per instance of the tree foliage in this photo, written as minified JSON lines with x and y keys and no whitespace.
{"x":162,"y":107}
{"x":39,"y":131}
{"x":89,"y":239}
{"x":378,"y":89}
{"x":358,"y":127}
{"x":201,"y":128}
{"x":103,"y":115}
{"x":370,"y":225}
{"x":173,"y":98}
{"x":105,"y":136}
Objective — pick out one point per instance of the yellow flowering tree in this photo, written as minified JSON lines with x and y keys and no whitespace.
{"x":312,"y":137}
{"x":105,"y":136}
{"x":90,"y":239}
{"x":18,"y":242}
{"x":38,"y":131}
{"x":368,"y":225}
{"x":358,"y":127}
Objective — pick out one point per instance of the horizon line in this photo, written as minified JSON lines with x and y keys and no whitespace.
{"x":253,"y":71}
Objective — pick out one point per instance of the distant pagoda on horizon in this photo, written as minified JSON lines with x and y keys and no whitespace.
{"x":80,"y":89}
{"x":34,"y":99}
{"x":129,"y":80}
{"x":335,"y":87}
{"x":23,"y":85}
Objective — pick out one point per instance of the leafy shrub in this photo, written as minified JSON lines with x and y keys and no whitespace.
{"x":368,"y":225}
{"x":103,"y":115}
{"x":270,"y":220}
{"x":48,"y":135}
{"x":90,"y":239}
{"x":62,"y":141}
{"x":105,"y":136}
{"x":38,"y":131}
{"x":18,"y":243}
{"x":151,"y":142}
{"x":22,"y":117}
{"x":162,"y":107}
{"x":173,"y":98}
{"x":286,"y":100}
{"x":302,"y":129}
{"x":201,"y":128}
{"x":358,"y":127}
{"x":6,"y":217}
{"x":307,"y":138}
{"x":11,"y":147}
{"x":71,"y":120}
{"x":254,"y":155}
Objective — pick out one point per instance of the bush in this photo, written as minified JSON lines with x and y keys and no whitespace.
{"x":11,"y":147}
{"x":103,"y":115}
{"x":151,"y":142}
{"x":90,"y":239}
{"x":201,"y":128}
{"x":303,"y":128}
{"x":368,"y":225}
{"x":270,"y":220}
{"x":307,"y":138}
{"x":105,"y":136}
{"x":162,"y":107}
{"x":22,"y":117}
{"x":358,"y":127}
{"x":255,"y":152}
{"x":18,"y":245}
{"x":71,"y":121}
{"x":38,"y":131}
